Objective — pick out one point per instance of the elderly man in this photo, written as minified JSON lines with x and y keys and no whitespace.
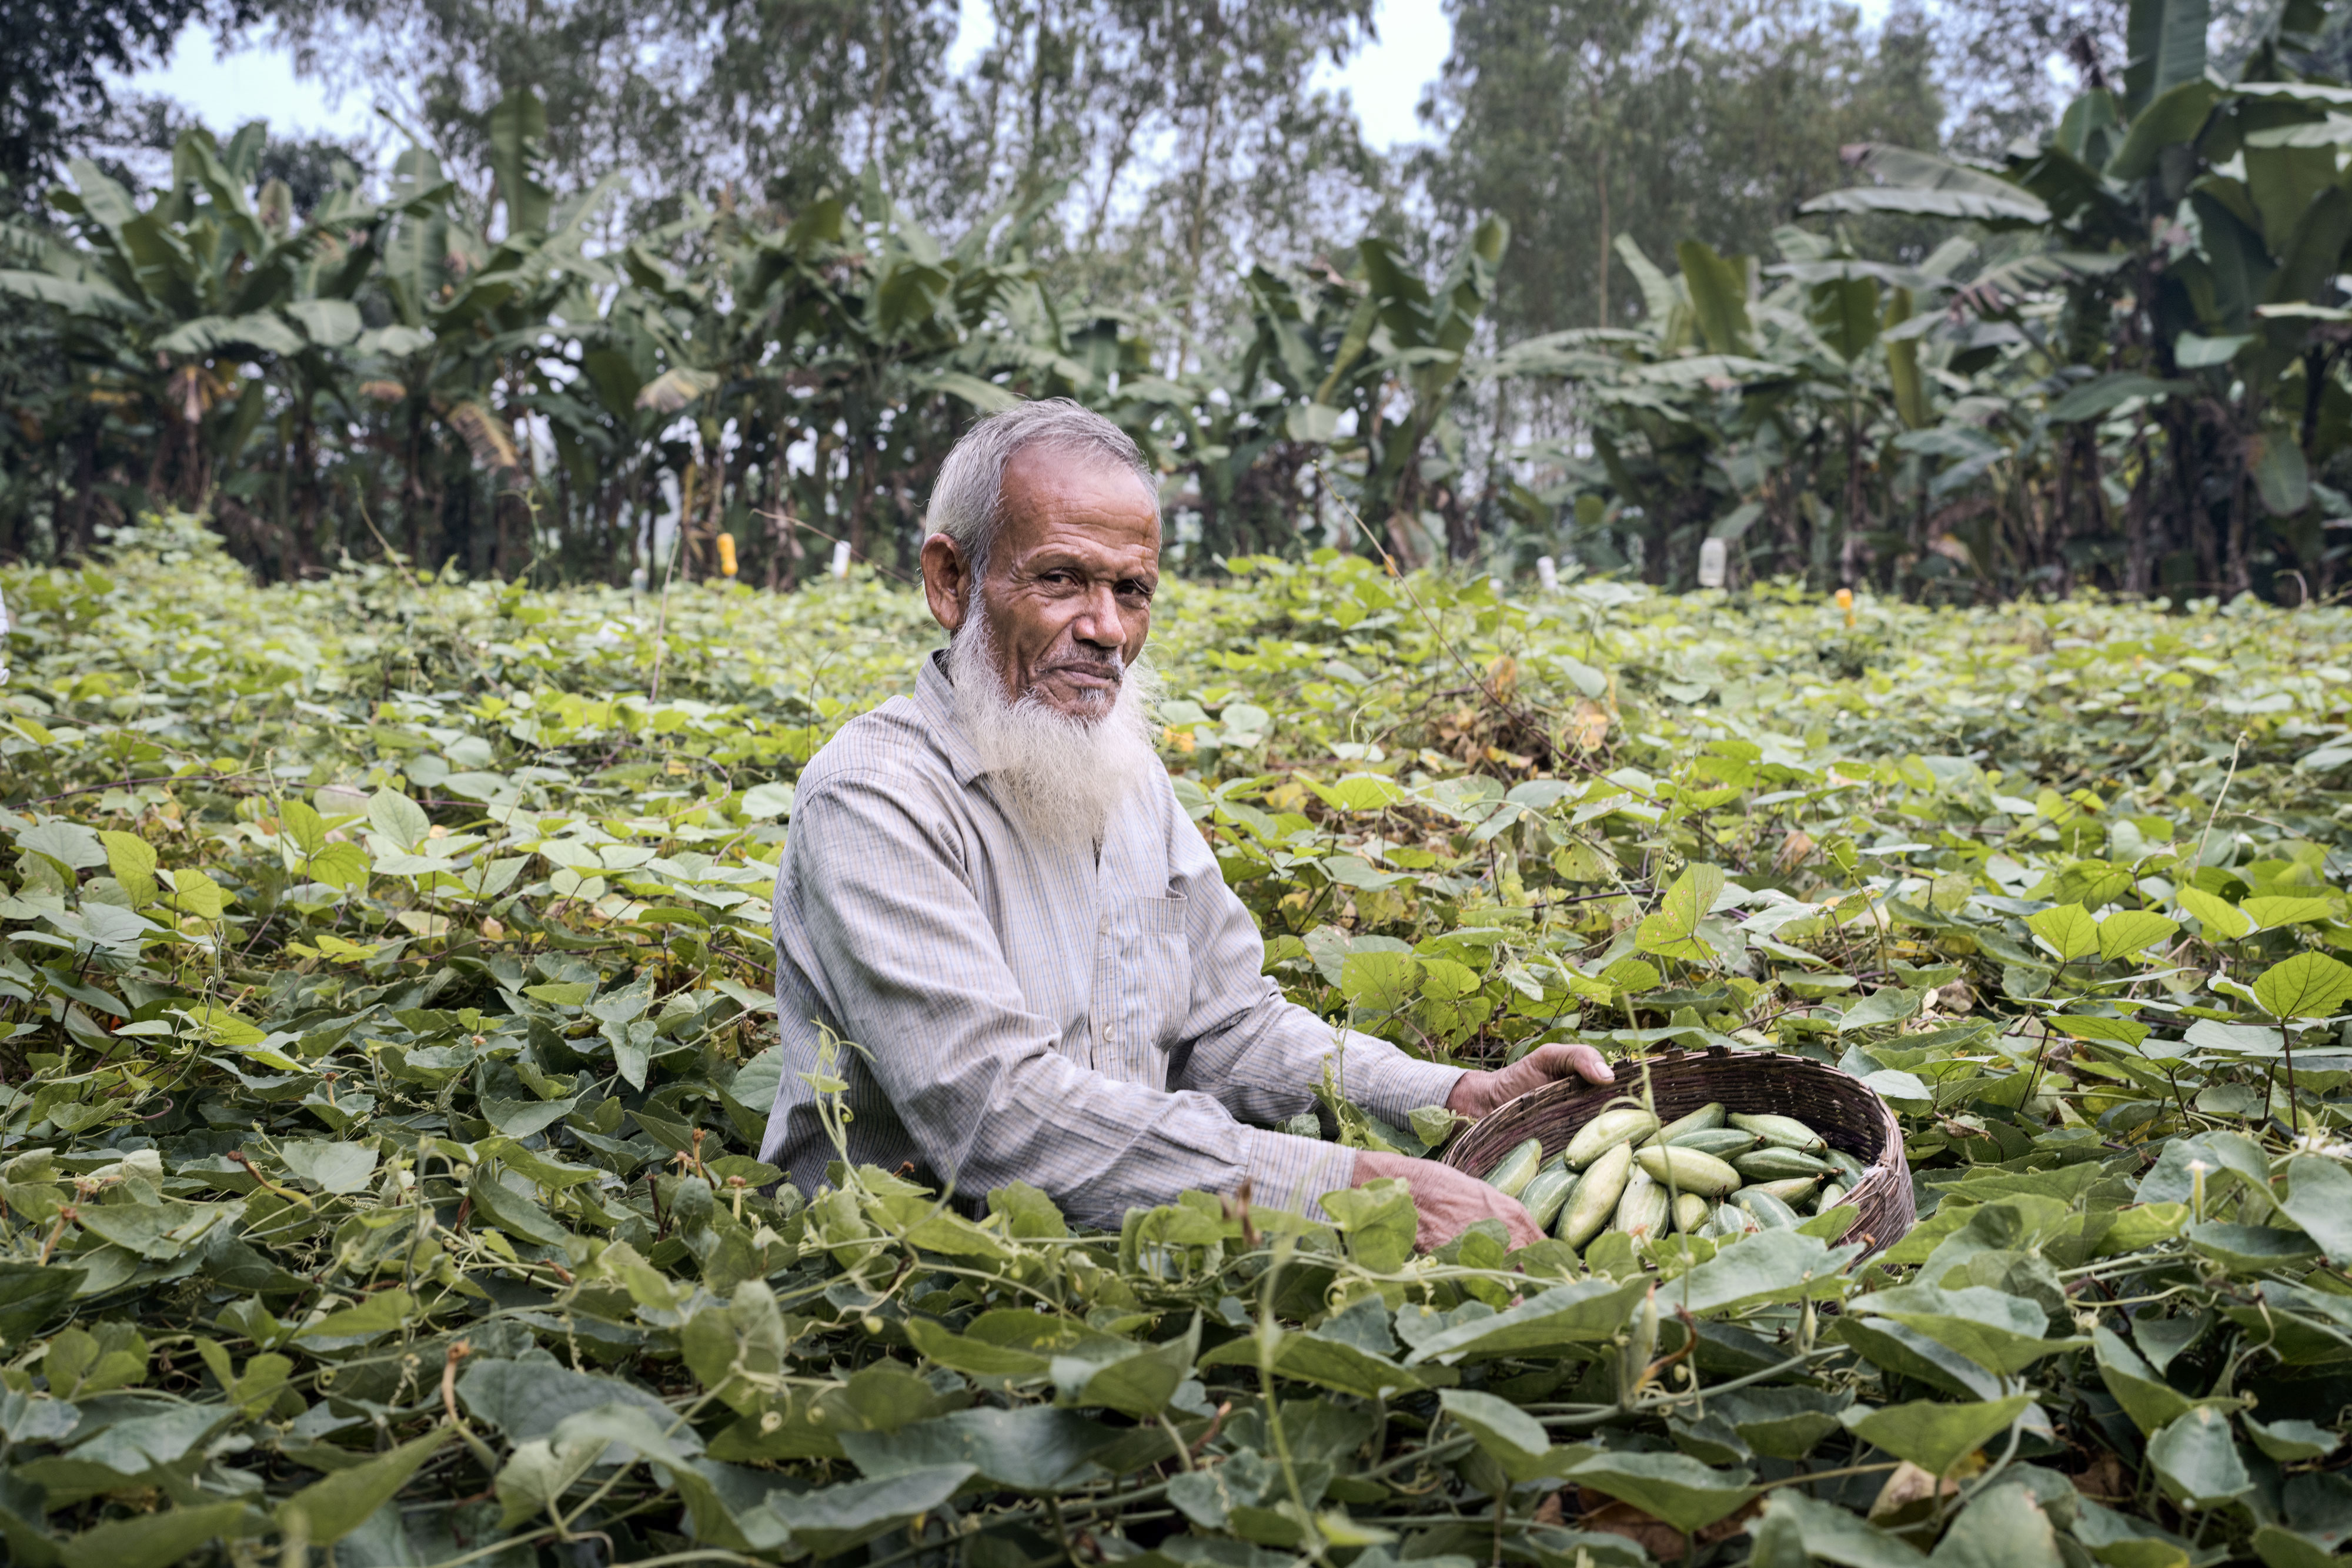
{"x":991,"y":891}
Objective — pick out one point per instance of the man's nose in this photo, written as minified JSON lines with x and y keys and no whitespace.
{"x":1099,"y":622}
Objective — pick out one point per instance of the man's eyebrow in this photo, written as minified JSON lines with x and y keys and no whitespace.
{"x":1067,"y":560}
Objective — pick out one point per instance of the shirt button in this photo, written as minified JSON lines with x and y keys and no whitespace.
{"x":1111,"y":1037}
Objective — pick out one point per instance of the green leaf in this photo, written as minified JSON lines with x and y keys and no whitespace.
{"x":1363,"y":792}
{"x":1506,"y":1434}
{"x":2319,"y":1198}
{"x":2002,"y":1527}
{"x":1377,"y":1220}
{"x":325,"y":1512}
{"x":1583,"y":1312}
{"x":1768,"y":1267}
{"x":2147,"y":1399}
{"x":2000,"y":1333}
{"x":2086,"y":1026}
{"x":1934,"y":1433}
{"x":154,"y":1540}
{"x":398,"y":818}
{"x":2167,"y":43}
{"x":2222,"y":921}
{"x":832,"y":1520}
{"x":2271,"y":913}
{"x":206,"y":335}
{"x":1679,"y":1490}
{"x":2176,"y":116}
{"x":2128,"y":931}
{"x":1672,"y":931}
{"x":1718,"y":296}
{"x":1379,"y":982}
{"x":302,"y":827}
{"x":1139,"y":1384}
{"x":195,"y":894}
{"x":2197,"y":1462}
{"x":497,"y":1204}
{"x":1844,"y":311}
{"x":1881,"y":1007}
{"x":31,"y":1294}
{"x":2308,"y":984}
{"x":2279,"y":1547}
{"x":131,"y":859}
{"x":528,"y":1400}
{"x":978,"y":1357}
{"x":380,"y":1313}
{"x":1027,"y":1213}
{"x":2251,"y":1249}
{"x":2067,"y":930}
{"x":1030,"y":1448}
{"x":1834,"y":1535}
{"x":330,"y":1168}
{"x":70,"y":844}
{"x":1325,"y":1362}
{"x":766,"y":802}
{"x":339,"y":865}
{"x":2291,"y":1442}
{"x":518,"y":123}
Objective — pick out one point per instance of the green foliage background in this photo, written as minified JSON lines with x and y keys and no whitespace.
{"x":384,"y":970}
{"x":2112,"y":356}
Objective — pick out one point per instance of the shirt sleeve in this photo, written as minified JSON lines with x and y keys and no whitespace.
{"x":918,"y":981}
{"x":1259,"y":1054}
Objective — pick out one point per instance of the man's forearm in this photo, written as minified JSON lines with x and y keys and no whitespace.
{"x":1267,"y":1064}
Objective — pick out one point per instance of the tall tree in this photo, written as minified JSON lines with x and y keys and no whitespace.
{"x":767,"y":100}
{"x":1174,"y":139}
{"x":54,"y":59}
{"x":1664,"y":119}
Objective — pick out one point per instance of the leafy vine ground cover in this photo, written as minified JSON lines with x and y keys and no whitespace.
{"x":385,"y":1042}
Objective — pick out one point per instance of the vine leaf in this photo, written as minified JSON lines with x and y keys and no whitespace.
{"x":2307,"y":985}
{"x":1672,"y":931}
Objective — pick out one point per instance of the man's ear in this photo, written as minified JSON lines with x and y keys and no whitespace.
{"x":946,"y":581}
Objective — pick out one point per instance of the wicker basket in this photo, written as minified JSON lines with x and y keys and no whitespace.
{"x":1835,"y":1104}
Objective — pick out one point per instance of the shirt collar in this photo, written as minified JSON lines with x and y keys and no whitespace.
{"x":935,"y":695}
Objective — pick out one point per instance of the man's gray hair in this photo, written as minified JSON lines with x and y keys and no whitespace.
{"x":967,"y":504}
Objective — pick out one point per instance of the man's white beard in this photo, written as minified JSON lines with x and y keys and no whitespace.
{"x":1061,"y":776}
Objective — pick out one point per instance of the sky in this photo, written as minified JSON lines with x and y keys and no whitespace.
{"x":258,"y":79}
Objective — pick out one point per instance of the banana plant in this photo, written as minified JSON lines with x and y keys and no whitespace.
{"x":2174,"y":249}
{"x":198,"y":317}
{"x":1357,"y":375}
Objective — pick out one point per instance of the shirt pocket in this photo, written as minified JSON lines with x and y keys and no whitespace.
{"x":1151,"y":985}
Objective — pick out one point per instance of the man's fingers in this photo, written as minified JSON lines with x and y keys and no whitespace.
{"x":1558,"y":1061}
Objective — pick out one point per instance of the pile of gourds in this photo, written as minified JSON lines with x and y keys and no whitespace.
{"x":1714,"y":1173}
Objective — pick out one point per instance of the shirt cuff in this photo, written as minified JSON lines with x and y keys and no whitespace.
{"x":1293,"y":1173}
{"x":1391,"y":1085}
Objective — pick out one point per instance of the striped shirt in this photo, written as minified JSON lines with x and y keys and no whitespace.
{"x":1094,"y":1024}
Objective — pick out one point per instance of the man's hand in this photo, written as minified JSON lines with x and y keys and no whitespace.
{"x":1448,"y":1201}
{"x":1479,"y":1093}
